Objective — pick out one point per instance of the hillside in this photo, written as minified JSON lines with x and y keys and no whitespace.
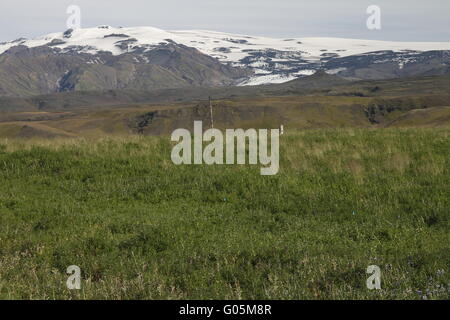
{"x":319,"y":101}
{"x":41,"y":70}
{"x":319,"y":83}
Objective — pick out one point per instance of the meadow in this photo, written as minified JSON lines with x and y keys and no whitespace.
{"x":140,"y":227}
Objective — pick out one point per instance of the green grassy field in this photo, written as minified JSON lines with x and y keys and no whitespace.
{"x":140,"y":227}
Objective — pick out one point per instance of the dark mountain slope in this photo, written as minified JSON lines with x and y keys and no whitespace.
{"x":96,"y":99}
{"x":435,"y":90}
{"x":42,"y":70}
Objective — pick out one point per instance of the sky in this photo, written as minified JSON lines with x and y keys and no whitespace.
{"x":401,"y":20}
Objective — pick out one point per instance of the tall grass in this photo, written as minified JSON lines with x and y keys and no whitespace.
{"x":140,"y":227}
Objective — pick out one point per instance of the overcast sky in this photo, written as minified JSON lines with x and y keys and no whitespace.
{"x":402,"y":20}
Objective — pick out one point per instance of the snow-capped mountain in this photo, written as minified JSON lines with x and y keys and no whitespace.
{"x":270,"y":60}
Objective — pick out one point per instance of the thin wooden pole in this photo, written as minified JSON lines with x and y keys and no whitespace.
{"x":211,"y":110}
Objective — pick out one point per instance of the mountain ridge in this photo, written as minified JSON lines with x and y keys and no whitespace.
{"x":146,"y":58}
{"x":40,"y":70}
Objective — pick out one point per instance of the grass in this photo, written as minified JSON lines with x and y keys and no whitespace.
{"x":142,"y":228}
